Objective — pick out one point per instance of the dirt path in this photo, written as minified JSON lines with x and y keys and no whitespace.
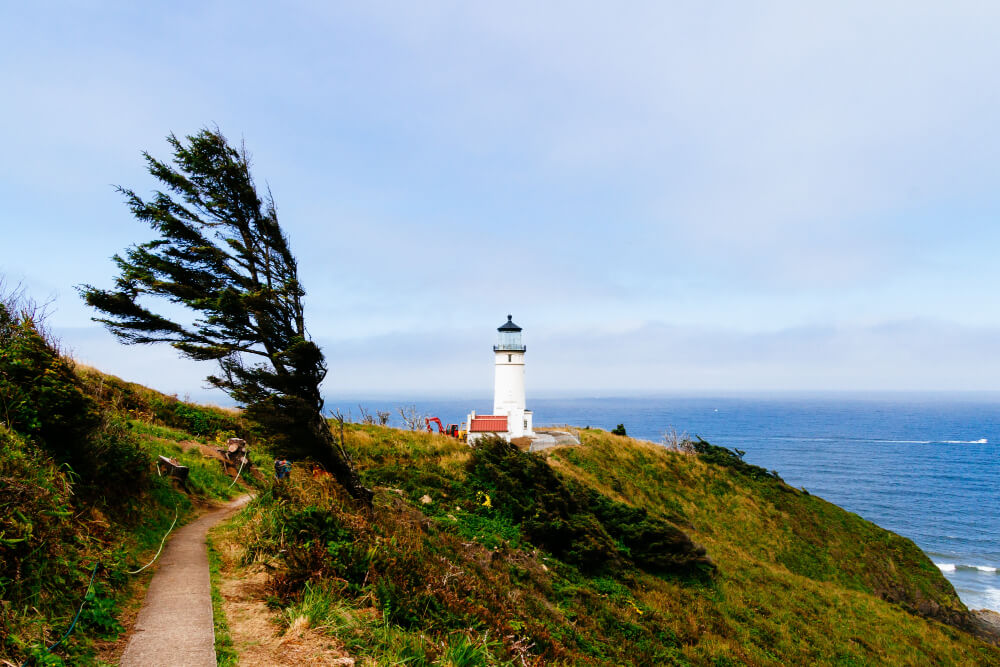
{"x":174,"y":627}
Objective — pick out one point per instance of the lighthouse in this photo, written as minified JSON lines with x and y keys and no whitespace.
{"x":510,"y":419}
{"x":508,"y":379}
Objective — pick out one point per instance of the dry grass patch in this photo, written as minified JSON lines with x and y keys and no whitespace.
{"x":256,"y":630}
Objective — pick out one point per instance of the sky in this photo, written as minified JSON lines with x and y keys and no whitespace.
{"x":667,"y":197}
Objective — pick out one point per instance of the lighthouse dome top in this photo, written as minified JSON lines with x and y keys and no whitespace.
{"x":509,"y":337}
{"x":509,"y":325}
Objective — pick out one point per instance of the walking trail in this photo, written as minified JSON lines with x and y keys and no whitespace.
{"x":175,"y":627}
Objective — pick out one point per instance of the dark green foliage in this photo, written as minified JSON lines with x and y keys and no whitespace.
{"x":650,"y":542}
{"x":99,"y":614}
{"x":619,"y":430}
{"x":578,"y":525}
{"x":50,"y":538}
{"x":315,"y":524}
{"x":222,"y":254}
{"x":731,"y":459}
{"x":42,"y":398}
{"x":117,"y":466}
{"x":34,"y":507}
{"x":199,"y":422}
{"x":808,"y":560}
{"x":39,"y":395}
{"x":319,"y":541}
{"x":312,"y":541}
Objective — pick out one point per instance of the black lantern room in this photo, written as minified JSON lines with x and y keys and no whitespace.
{"x":509,"y":337}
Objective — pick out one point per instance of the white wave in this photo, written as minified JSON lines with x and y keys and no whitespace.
{"x":782,"y":438}
{"x":951,"y":567}
{"x":906,"y":442}
{"x":981,"y":441}
{"x":992,"y":596}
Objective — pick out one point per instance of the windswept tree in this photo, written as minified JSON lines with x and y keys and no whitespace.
{"x":221,"y":253}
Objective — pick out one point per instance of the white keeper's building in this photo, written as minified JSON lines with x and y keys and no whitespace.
{"x":510,"y":419}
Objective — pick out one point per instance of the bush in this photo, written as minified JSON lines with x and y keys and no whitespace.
{"x":34,"y":531}
{"x":580,"y":526}
{"x":651,"y":542}
{"x":721,"y":456}
{"x":38,"y":390}
{"x":43,"y":399}
{"x":619,"y":430}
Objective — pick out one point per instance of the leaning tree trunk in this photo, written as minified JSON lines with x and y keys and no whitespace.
{"x":338,"y":462}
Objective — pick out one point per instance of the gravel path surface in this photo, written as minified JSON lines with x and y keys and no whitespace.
{"x":174,"y":627}
{"x":548,"y":438}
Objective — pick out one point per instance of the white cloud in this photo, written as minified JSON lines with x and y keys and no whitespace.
{"x":730,"y":169}
{"x":913,"y":355}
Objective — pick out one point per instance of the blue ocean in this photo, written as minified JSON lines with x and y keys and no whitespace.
{"x":926,"y":468}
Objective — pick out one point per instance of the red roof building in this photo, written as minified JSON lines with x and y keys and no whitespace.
{"x":488,"y":424}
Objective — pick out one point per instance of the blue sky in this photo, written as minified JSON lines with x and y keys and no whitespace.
{"x":669,"y":197}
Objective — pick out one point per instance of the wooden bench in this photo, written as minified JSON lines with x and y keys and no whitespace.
{"x":173,"y":468}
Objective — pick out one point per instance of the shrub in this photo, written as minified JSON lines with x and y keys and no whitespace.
{"x":619,"y":430}
{"x":650,"y":541}
{"x":578,"y":525}
{"x":38,"y":390}
{"x":43,"y":399}
{"x":34,"y":532}
{"x":729,"y":458}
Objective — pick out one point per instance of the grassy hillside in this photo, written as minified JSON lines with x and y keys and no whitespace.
{"x":78,"y":489}
{"x":616,"y":552}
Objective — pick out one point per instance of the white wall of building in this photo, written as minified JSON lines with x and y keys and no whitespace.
{"x":508,"y":382}
{"x":508,"y":392}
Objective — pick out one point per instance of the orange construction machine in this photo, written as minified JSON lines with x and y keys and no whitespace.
{"x":451,"y":429}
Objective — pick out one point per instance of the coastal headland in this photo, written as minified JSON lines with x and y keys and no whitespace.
{"x":613,"y":551}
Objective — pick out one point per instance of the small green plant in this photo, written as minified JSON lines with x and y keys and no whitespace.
{"x":323,"y":606}
{"x":619,"y":430}
{"x":100,"y":615}
{"x":462,"y":651}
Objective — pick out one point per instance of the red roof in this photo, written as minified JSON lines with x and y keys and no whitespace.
{"x":489,"y":424}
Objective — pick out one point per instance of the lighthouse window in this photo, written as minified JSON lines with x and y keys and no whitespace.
{"x":508,"y":358}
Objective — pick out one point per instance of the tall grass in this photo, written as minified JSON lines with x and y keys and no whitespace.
{"x":797,"y":580}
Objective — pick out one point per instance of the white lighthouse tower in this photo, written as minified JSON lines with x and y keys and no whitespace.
{"x":509,"y":418}
{"x":508,"y":384}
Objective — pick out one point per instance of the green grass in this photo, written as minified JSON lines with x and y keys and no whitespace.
{"x":206,"y":477}
{"x":561,"y":567}
{"x":225,"y":654}
{"x":797,"y":580}
{"x":367,"y":636}
{"x":325,"y":609}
